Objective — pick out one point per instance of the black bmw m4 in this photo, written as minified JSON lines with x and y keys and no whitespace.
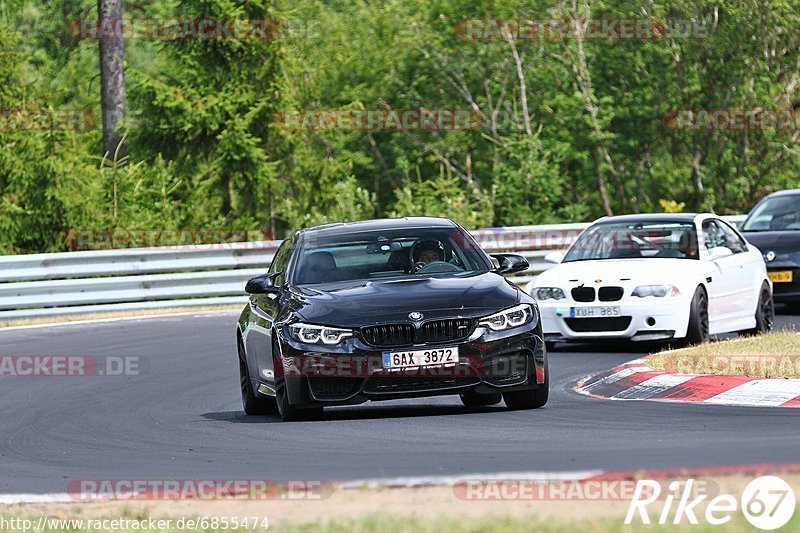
{"x":388,"y":309}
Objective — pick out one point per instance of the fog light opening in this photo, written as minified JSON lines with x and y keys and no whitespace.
{"x":651,"y":321}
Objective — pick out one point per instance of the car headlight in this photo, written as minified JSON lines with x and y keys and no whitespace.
{"x":512,"y":317}
{"x":549,"y":293}
{"x":659,"y":291}
{"x":311,"y":334}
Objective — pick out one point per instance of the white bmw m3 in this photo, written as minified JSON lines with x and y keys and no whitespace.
{"x":655,"y":278}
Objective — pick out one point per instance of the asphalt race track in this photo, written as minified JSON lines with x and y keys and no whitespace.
{"x":182,"y":419}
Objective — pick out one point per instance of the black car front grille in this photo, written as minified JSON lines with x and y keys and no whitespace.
{"x":451,"y":329}
{"x":399,"y":384}
{"x":591,"y":325}
{"x":583,"y":294}
{"x":434,"y":331}
{"x":388,"y":335}
{"x":610,"y":294}
{"x":331,"y":388}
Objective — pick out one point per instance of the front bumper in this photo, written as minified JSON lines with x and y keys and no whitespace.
{"x":783,"y":292}
{"x":640,"y":319}
{"x":489,"y":362}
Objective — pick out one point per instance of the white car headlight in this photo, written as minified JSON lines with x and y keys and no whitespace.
{"x":659,"y":291}
{"x":548,"y":293}
{"x":311,"y":334}
{"x":512,"y":317}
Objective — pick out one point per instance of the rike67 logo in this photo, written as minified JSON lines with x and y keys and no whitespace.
{"x":767,"y":502}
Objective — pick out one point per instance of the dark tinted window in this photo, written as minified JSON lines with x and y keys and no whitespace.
{"x":734,"y":240}
{"x":281,"y":261}
{"x":719,"y":234}
{"x":781,"y":213}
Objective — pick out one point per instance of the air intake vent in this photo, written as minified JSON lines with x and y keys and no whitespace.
{"x":587,"y":325}
{"x":583,"y":294}
{"x":610,"y":294}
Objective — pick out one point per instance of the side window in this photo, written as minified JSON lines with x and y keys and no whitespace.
{"x":733,"y":240}
{"x":281,"y":261}
{"x":713,"y":235}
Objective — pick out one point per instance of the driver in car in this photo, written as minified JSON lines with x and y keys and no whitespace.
{"x":426,"y":251}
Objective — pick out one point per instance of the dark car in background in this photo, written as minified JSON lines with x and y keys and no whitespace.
{"x":388,"y":309}
{"x":773,"y":226}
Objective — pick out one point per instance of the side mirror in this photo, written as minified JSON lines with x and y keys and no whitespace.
{"x":510,"y":263}
{"x":261,"y":284}
{"x":719,"y":252}
{"x":554,"y":257}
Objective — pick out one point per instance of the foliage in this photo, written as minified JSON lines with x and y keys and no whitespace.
{"x":563,"y":129}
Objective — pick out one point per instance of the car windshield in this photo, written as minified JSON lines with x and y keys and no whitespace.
{"x":386,"y":254}
{"x":635,"y":240}
{"x":775,"y":214}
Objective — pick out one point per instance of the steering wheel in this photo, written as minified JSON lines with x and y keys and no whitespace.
{"x":438,"y":267}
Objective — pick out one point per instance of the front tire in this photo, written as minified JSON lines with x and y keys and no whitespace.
{"x":527,"y":399}
{"x":475,"y":399}
{"x":531,"y":398}
{"x":252,"y":404}
{"x":698,"y":318}
{"x":765,"y":313}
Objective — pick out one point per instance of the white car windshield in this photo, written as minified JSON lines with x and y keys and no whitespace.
{"x":775,"y":214}
{"x":635,"y":240}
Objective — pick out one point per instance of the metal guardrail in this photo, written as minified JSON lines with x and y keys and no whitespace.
{"x":70,"y":283}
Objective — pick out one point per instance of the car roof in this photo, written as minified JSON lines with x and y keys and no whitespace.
{"x":338,"y":228}
{"x":787,"y":192}
{"x":649,"y":217}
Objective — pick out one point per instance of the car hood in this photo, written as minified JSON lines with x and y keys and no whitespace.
{"x":784,"y":244}
{"x":359,"y":303}
{"x":777,"y":241}
{"x":620,"y":272}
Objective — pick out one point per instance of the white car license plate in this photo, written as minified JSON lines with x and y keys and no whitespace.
{"x":414,"y":358}
{"x":595,"y":312}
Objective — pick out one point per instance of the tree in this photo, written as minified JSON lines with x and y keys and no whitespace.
{"x":112,"y":78}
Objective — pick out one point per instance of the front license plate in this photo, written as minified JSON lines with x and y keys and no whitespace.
{"x":594,"y":312}
{"x":414,"y":358}
{"x":784,"y":276}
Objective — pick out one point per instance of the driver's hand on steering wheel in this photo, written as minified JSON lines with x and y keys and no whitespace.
{"x":418,"y":266}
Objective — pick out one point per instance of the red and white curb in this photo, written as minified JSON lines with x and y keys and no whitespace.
{"x":635,"y":380}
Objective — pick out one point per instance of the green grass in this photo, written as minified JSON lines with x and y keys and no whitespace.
{"x":775,"y":355}
{"x":487,"y":524}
